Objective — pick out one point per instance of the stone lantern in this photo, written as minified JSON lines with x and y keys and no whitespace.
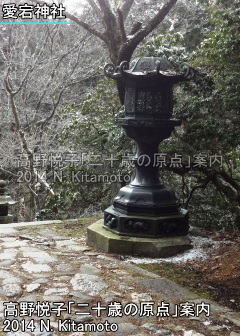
{"x":146,"y":209}
{"x":5,"y":201}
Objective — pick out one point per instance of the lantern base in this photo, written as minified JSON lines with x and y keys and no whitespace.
{"x":146,"y":226}
{"x":109,"y":242}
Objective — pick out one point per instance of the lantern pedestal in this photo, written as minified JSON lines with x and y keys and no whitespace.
{"x":146,"y":208}
{"x":109,"y":242}
{"x":146,"y":226}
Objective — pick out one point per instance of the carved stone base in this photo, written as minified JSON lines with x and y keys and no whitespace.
{"x":109,"y":242}
{"x":146,"y":226}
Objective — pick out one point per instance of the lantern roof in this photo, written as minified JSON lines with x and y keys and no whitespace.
{"x":145,"y":67}
{"x":6,"y":200}
{"x":151,"y":66}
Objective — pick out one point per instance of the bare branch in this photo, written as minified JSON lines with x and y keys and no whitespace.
{"x":8,"y":172}
{"x":52,"y":36}
{"x":157,"y":19}
{"x":128,"y":49}
{"x":53,"y":73}
{"x":45,"y":121}
{"x":81,"y":23}
{"x":43,"y":183}
{"x":86,"y":26}
{"x":121,"y":25}
{"x":33,"y":192}
{"x":109,"y":18}
{"x":12,"y":102}
{"x":136,"y":27}
{"x":42,"y":123}
{"x":201,"y":186}
{"x":25,"y":146}
{"x":126,"y":7}
{"x":23,"y":81}
{"x":96,"y":9}
{"x":104,"y":5}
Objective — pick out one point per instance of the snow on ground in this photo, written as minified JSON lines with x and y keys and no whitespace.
{"x":202,"y":248}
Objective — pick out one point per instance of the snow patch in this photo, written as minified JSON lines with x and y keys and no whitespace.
{"x":202,"y":247}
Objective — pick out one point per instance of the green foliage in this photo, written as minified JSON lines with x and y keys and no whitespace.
{"x":209,"y":110}
{"x":93,"y":126}
{"x":93,"y":131}
{"x":218,"y":109}
{"x":221,"y":46}
{"x":167,"y":46}
{"x":74,"y":193}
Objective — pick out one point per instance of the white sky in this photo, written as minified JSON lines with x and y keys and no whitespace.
{"x":74,"y":5}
